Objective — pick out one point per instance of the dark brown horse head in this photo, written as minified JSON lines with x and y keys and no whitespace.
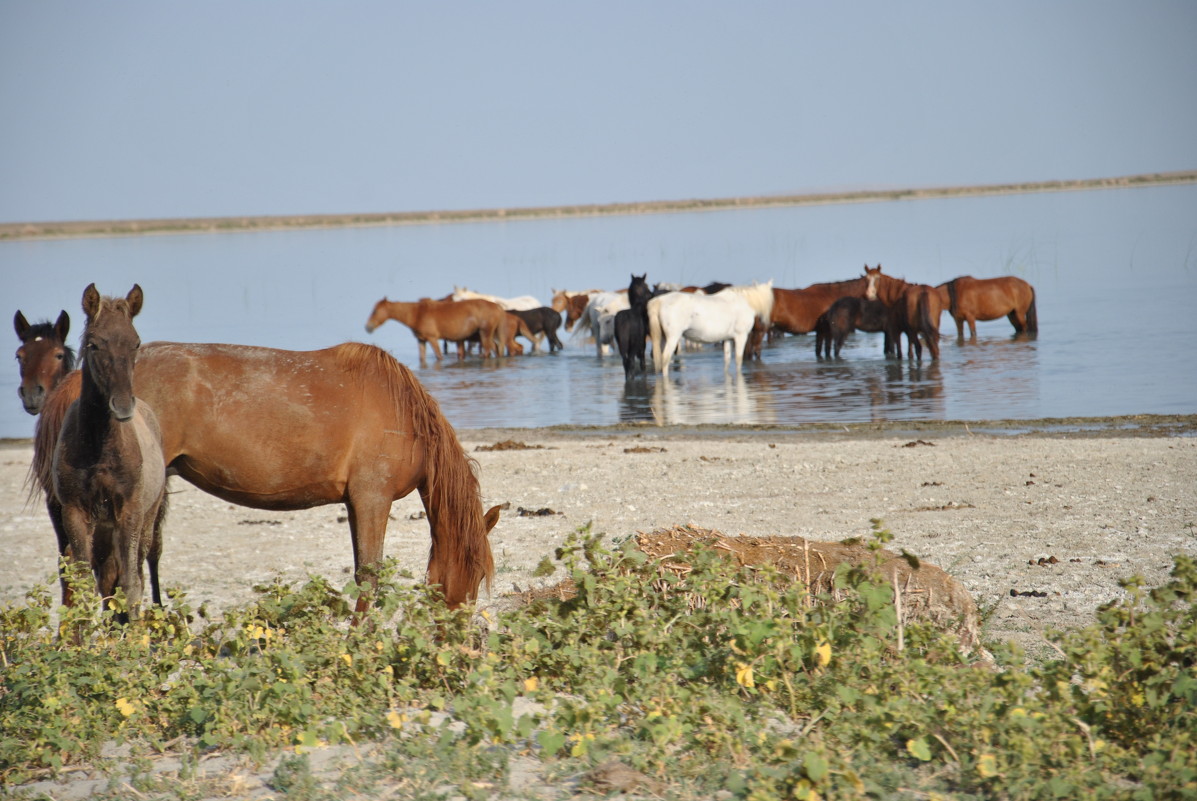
{"x":44,"y":358}
{"x":110,"y":345}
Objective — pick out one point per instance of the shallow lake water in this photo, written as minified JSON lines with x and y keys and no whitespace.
{"x":1115,"y":274}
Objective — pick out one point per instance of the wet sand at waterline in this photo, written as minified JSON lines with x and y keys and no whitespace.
{"x":1056,"y":516}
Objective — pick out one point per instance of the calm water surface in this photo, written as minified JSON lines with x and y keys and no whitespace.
{"x":1115,"y":274}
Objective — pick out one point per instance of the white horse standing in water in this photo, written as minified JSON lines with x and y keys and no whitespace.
{"x":725,"y":317}
{"x":522,"y":303}
{"x":599,"y":319}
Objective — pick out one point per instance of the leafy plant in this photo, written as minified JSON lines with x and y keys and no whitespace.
{"x":706,"y":678}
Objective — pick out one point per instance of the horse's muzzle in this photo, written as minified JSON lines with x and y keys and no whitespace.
{"x":32,"y":400}
{"x":122,"y":411}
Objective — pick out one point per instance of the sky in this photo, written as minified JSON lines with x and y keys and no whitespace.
{"x":123,"y":110}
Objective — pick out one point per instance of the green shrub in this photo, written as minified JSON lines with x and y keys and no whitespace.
{"x":709,"y":678}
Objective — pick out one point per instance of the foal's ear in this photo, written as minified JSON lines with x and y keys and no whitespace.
{"x":91,"y":301}
{"x":491,"y":518}
{"x":63,"y":326}
{"x":21,"y":324}
{"x":135,"y":299}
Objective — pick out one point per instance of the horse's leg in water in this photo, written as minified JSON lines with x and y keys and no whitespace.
{"x":436,"y":349}
{"x":739,"y":343}
{"x":671,"y":343}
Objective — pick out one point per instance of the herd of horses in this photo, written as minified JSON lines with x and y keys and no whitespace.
{"x":359,"y":428}
{"x":739,"y":317}
{"x":264,"y":428}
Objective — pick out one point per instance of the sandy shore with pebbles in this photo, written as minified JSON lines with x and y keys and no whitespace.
{"x":1056,"y":516}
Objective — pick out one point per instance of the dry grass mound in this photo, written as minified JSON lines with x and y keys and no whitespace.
{"x":923,"y":592}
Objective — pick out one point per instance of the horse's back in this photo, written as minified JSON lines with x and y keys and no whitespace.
{"x":989,"y":298}
{"x":798,"y":310}
{"x":271,"y":428}
{"x":705,"y":317}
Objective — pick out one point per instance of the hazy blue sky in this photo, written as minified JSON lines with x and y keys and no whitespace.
{"x":153,"y":109}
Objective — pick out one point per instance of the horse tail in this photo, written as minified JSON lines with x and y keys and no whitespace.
{"x":952,"y":300}
{"x":1032,"y":315}
{"x":460,"y":558}
{"x":45,"y":437}
{"x":926,"y":323}
{"x":653,"y":308}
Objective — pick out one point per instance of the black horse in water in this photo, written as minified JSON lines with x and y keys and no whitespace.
{"x":542,"y":321}
{"x":631,"y":325}
{"x":846,"y":315}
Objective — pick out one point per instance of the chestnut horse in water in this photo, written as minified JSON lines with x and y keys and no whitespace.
{"x":913,"y":310}
{"x":44,"y":358}
{"x":971,"y":299}
{"x":797,"y":311}
{"x":574,"y":305}
{"x":282,"y":430}
{"x":454,"y":320}
{"x":108,"y":473}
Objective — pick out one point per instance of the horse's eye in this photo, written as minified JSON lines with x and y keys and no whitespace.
{"x":59,"y":356}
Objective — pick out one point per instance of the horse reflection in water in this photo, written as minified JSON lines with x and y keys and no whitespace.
{"x":914,"y":388}
{"x":673,"y":402}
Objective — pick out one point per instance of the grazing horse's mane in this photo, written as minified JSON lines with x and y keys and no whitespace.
{"x":46,"y":330}
{"x":451,"y":476}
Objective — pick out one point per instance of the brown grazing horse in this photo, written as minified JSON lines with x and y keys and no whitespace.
{"x":971,"y":299}
{"x":797,"y":311}
{"x":282,"y":430}
{"x":913,"y":310}
{"x":44,"y":358}
{"x":453,"y":320}
{"x":108,"y":473}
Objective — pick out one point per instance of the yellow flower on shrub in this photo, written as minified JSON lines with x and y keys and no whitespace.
{"x":744,"y":675}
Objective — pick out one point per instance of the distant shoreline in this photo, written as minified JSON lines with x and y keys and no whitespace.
{"x":194,"y":225}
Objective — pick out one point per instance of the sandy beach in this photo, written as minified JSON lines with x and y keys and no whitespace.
{"x":1039,"y":526}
